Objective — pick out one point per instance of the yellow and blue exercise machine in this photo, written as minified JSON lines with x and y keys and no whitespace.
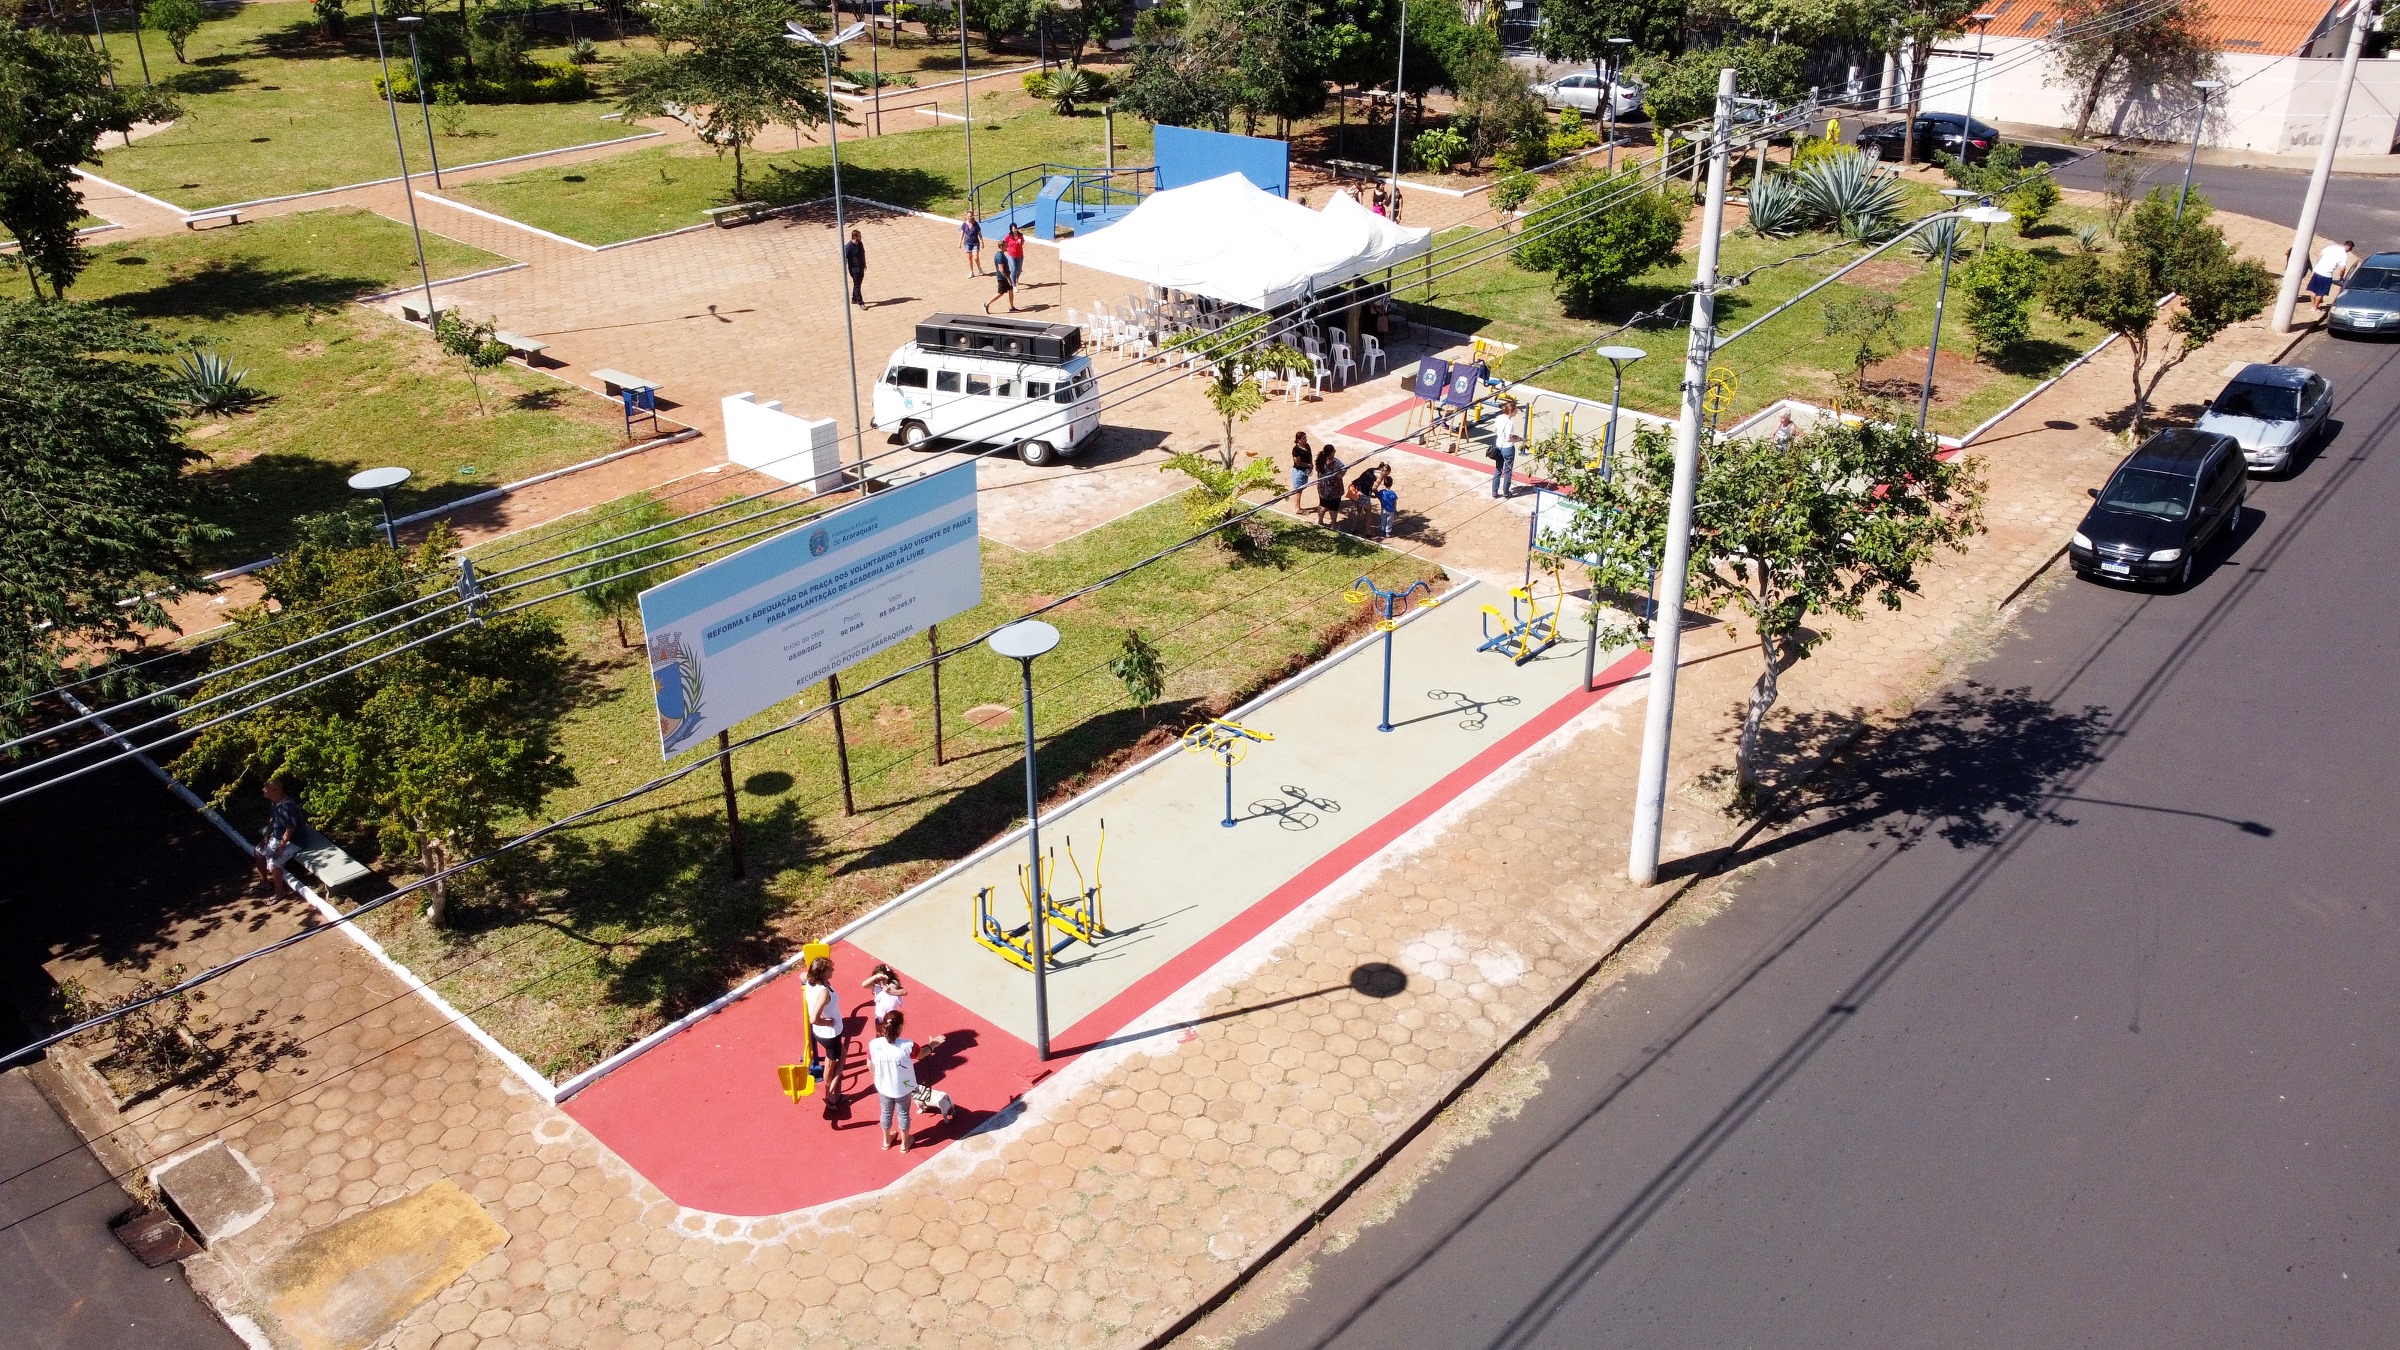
{"x":1077,"y":919}
{"x":1526,"y":629}
{"x":1230,"y":742}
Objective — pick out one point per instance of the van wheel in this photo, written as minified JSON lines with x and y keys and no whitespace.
{"x":914,"y":436}
{"x":1037,"y":453}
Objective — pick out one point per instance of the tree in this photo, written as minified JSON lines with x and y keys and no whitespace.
{"x":2000,"y":286}
{"x":1683,"y":89}
{"x":1865,"y":319}
{"x":630,"y":552}
{"x":729,"y":61}
{"x":333,"y":16}
{"x":1579,"y":30}
{"x":1498,"y":108}
{"x":2159,"y":256}
{"x":1138,"y":666}
{"x":1182,"y":73}
{"x":177,"y":19}
{"x":1927,"y":22}
{"x":429,"y":748}
{"x":2123,"y":49}
{"x":1278,"y":59}
{"x":1591,"y":257}
{"x":473,"y":345}
{"x":96,"y":534}
{"x":1234,"y":355}
{"x":55,"y":104}
{"x":1218,"y":489}
{"x":1802,"y":22}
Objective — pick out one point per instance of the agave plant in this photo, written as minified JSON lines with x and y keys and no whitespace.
{"x":1775,"y":207}
{"x":1935,"y":240}
{"x":1846,"y":193}
{"x":2090,"y":238}
{"x":206,"y":383}
{"x":1070,"y":85}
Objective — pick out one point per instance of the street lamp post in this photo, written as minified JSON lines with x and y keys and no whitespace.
{"x":1399,"y":103}
{"x":1618,"y":358}
{"x":1966,"y":133}
{"x":2206,"y":87}
{"x":833,"y":125}
{"x":381,"y":482}
{"x":1986,"y":216}
{"x":966,"y":103}
{"x":407,"y":193}
{"x":1608,"y":92}
{"x":1021,"y":642}
{"x":409,"y":24}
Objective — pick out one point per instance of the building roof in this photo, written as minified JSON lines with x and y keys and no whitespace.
{"x":2261,"y":27}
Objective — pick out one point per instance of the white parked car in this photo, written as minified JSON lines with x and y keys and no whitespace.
{"x":973,"y":380}
{"x":1582,"y":93}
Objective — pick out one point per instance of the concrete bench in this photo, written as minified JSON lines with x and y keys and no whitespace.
{"x":414,"y":312}
{"x":615,"y":382}
{"x":740,"y":213}
{"x":520,"y":346}
{"x":325,"y":861}
{"x":229,"y":216}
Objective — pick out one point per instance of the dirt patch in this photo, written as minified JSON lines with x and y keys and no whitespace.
{"x":1955,"y":376}
{"x":989,"y":715}
{"x":1884,"y":274}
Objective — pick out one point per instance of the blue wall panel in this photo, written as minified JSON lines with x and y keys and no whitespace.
{"x":1186,"y":156}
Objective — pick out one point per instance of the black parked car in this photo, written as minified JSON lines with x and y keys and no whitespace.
{"x":1946,"y":132}
{"x":2175,"y":495}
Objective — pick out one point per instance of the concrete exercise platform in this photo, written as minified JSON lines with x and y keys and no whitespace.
{"x":700,"y":1115}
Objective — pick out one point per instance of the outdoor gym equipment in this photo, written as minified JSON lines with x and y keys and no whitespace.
{"x":1526,"y":630}
{"x":1358,"y":594}
{"x":1075,"y":920}
{"x":1229,"y":742}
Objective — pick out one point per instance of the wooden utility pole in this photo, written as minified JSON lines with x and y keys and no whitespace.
{"x":841,"y":745}
{"x":733,"y":810}
{"x":933,"y":645}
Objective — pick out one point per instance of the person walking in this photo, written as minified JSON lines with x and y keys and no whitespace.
{"x":854,"y":257}
{"x":1784,"y":432}
{"x":285,"y":825}
{"x":1387,"y":498}
{"x":1329,"y":486}
{"x":970,"y":234}
{"x":1004,"y":287}
{"x":1304,"y":461}
{"x":1012,"y":247}
{"x":823,"y":1005}
{"x":894,"y":1063}
{"x":2332,"y":266}
{"x":1505,"y":440}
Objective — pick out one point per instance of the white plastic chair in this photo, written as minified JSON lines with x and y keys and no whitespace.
{"x":1343,"y":367}
{"x":1319,"y":372}
{"x":1373,"y":361}
{"x":1308,"y":344}
{"x":1291,"y":384}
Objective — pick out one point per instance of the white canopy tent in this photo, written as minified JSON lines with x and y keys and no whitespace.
{"x":1228,"y":240}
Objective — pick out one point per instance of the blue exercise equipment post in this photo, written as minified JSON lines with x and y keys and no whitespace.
{"x":1229,"y":742}
{"x":1358,"y":594}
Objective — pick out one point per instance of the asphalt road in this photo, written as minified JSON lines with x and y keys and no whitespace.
{"x":65,"y":1282}
{"x":2070,"y":1023}
{"x":2358,"y":207}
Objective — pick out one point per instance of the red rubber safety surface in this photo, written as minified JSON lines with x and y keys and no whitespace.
{"x":703,"y":1117}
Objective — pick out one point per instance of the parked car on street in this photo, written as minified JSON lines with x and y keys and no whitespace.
{"x":2370,"y":300}
{"x":2272,"y":411}
{"x":1582,"y":93}
{"x":2179,"y":492}
{"x":1946,"y":132}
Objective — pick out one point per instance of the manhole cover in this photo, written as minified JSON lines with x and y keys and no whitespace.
{"x":989,"y":715}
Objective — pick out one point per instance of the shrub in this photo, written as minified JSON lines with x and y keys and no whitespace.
{"x":538,"y":82}
{"x":1865,"y":320}
{"x":1844,"y":192}
{"x":2035,"y":198}
{"x":1807,"y":150}
{"x":1508,"y":161}
{"x":206,"y":383}
{"x":331,"y":16}
{"x":1591,"y":254}
{"x":1570,"y":136}
{"x":1437,"y":148}
{"x":584,"y":52}
{"x":1139,"y":667}
{"x":177,"y":19}
{"x":1513,"y":189}
{"x":1063,"y":88}
{"x":1999,"y":287}
{"x":1775,"y":207}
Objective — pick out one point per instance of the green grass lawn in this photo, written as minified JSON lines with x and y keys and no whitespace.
{"x":627,"y":921}
{"x":1789,"y":357}
{"x":646,"y":191}
{"x":271,"y":107}
{"x":346,"y":388}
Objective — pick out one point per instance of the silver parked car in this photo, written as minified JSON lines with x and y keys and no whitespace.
{"x":1582,"y":93}
{"x":2272,"y":411}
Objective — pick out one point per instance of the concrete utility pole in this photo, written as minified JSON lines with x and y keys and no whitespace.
{"x":1666,"y":630}
{"x":2304,"y":238}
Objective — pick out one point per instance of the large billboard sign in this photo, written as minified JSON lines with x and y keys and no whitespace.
{"x":748,"y":631}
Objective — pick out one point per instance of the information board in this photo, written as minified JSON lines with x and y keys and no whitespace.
{"x":746,"y":632}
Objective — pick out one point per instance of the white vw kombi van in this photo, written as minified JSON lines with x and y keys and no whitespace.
{"x":975,"y":380}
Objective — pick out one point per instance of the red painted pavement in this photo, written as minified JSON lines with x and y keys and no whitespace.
{"x":703,"y":1118}
{"x":1364,"y":429}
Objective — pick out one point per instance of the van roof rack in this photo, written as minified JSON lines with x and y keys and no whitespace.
{"x":1018,"y":339}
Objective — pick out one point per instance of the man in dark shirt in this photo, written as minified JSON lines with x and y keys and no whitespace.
{"x":285,"y":825}
{"x":854,"y":256}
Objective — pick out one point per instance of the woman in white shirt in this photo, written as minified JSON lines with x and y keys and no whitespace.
{"x":824,"y":1008}
{"x":894,"y":1062}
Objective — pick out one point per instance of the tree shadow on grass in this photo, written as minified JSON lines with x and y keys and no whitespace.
{"x":223,"y":288}
{"x":790,"y":184}
{"x":1961,"y":770}
{"x":260,"y":498}
{"x":204,"y":80}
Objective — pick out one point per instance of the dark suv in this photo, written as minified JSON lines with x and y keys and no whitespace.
{"x":2178,"y":493}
